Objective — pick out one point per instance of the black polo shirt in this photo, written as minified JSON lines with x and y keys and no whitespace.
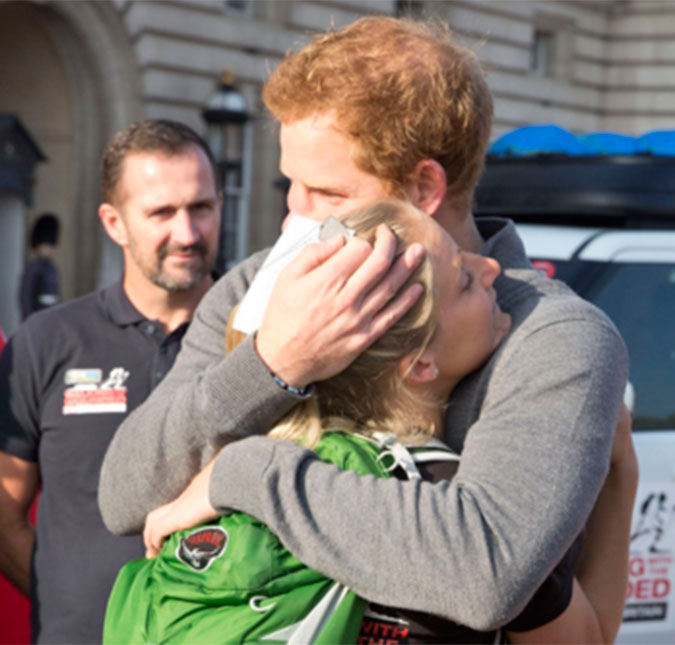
{"x":68,"y":377}
{"x":39,"y":286}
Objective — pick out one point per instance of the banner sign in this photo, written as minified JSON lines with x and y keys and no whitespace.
{"x":650,"y":597}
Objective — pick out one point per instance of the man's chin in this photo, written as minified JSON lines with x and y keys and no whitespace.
{"x":180,"y":281}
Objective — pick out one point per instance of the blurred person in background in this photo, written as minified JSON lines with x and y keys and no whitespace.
{"x":72,"y":373}
{"x":40,"y":287}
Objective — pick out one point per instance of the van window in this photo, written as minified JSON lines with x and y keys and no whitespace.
{"x":640,"y":299}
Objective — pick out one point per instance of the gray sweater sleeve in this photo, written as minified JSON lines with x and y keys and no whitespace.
{"x":205,"y":401}
{"x":473,"y":550}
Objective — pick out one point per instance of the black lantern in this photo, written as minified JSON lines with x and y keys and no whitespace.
{"x":226,"y":115}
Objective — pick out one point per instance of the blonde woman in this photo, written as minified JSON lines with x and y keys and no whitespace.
{"x":231,"y":580}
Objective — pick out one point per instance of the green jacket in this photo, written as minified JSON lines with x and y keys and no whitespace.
{"x":234,"y":582}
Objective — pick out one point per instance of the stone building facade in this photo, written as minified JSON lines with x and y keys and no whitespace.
{"x":75,"y":72}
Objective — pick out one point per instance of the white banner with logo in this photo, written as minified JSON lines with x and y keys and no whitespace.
{"x":650,"y":598}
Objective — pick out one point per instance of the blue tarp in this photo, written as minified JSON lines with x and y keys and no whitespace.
{"x":552,"y":139}
{"x":610,"y":143}
{"x":659,"y":142}
{"x":535,"y":139}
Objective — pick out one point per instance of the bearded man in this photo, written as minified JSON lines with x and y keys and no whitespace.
{"x":72,"y":373}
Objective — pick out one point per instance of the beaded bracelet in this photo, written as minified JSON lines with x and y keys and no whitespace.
{"x":302,"y":392}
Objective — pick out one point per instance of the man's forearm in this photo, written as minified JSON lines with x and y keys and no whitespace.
{"x":16,"y":550}
{"x":204,"y":401}
{"x":160,"y":447}
{"x":208,"y":400}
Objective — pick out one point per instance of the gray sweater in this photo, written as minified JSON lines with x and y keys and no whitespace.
{"x":534,"y":425}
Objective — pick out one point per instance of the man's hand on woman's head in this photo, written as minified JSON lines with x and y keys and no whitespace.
{"x":332,"y":302}
{"x":190,"y":508}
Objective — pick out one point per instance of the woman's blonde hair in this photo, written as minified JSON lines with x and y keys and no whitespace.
{"x":371,"y":394}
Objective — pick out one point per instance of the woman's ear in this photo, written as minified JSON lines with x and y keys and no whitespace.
{"x":426,"y":189}
{"x":419,"y":369}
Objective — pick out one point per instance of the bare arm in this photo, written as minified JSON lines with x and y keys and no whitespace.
{"x":578,"y":624}
{"x":18,"y":485}
{"x":603,"y":565}
{"x":596,"y":609}
{"x":190,"y":508}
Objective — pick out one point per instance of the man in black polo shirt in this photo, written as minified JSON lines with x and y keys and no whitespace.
{"x":72,"y":373}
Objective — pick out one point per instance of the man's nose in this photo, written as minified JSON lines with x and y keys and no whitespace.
{"x":298,"y":199}
{"x":184,"y":230}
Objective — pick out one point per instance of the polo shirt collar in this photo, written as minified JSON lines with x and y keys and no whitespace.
{"x":118,"y":306}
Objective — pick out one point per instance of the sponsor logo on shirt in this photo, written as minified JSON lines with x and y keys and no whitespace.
{"x":87,"y":393}
{"x":199,"y":549}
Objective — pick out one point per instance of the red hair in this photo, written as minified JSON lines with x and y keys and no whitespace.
{"x":402,"y":89}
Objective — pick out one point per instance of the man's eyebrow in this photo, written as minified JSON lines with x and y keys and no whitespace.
{"x":206,"y":199}
{"x":155,"y":208}
{"x":327,"y":185}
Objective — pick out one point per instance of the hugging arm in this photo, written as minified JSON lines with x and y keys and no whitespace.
{"x":603,"y":565}
{"x":341,"y":300}
{"x":165,"y":441}
{"x":596,"y":608}
{"x":473,"y":550}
